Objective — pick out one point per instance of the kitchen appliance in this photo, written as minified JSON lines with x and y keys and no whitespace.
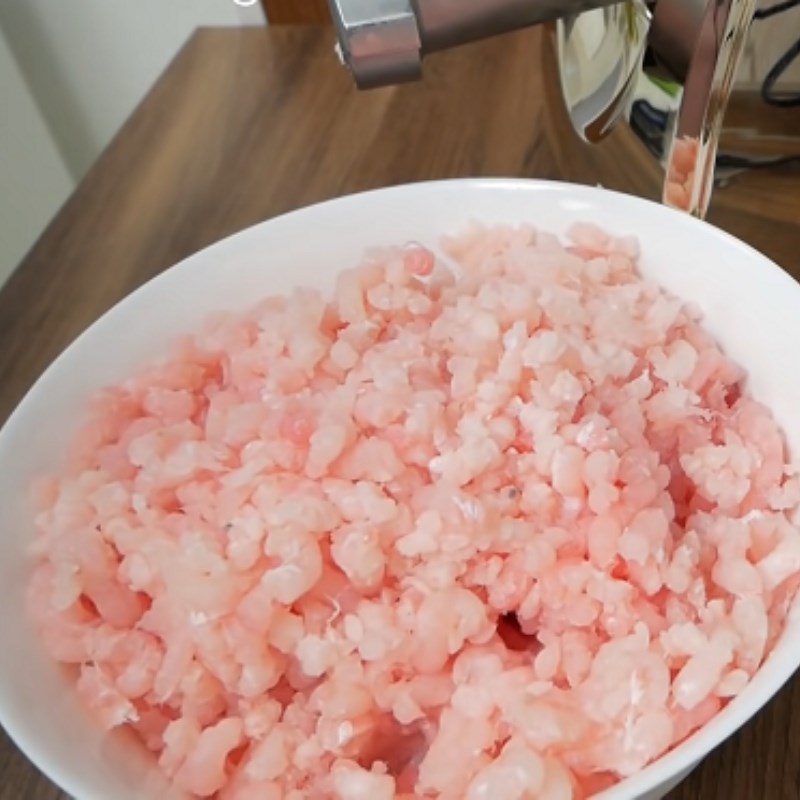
{"x":665,"y":66}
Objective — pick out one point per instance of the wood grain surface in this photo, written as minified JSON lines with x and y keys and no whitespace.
{"x":250,"y":123}
{"x":296,"y":11}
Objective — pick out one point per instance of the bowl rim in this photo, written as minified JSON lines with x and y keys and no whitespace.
{"x":677,"y":761}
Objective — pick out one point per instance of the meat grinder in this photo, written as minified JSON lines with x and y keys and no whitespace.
{"x":664,"y":66}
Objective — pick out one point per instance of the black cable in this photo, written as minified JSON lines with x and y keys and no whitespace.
{"x":731,"y":161}
{"x":777,"y":8}
{"x":768,"y":93}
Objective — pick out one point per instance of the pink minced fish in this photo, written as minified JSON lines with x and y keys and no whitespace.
{"x":512,"y":534}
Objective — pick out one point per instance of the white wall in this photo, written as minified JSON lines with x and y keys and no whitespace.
{"x":89,"y":62}
{"x":71,"y":71}
{"x":34,"y":180}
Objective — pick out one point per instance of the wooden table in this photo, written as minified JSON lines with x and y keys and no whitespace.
{"x":246,"y":124}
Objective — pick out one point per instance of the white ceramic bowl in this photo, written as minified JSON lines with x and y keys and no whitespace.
{"x":749,"y":303}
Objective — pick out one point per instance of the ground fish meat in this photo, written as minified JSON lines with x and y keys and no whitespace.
{"x":503,"y":524}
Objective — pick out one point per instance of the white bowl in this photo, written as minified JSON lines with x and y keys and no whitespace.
{"x":750,"y":305}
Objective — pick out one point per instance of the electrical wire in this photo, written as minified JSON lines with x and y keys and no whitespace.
{"x":731,"y":161}
{"x":777,"y":8}
{"x":768,"y":92}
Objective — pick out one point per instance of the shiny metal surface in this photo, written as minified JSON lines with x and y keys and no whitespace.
{"x":664,"y":65}
{"x":379,"y":40}
{"x":669,"y":73}
{"x":599,"y":56}
{"x":445,"y":23}
{"x":718,"y":48}
{"x":384,"y":41}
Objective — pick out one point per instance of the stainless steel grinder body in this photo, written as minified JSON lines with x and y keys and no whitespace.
{"x":666,"y":66}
